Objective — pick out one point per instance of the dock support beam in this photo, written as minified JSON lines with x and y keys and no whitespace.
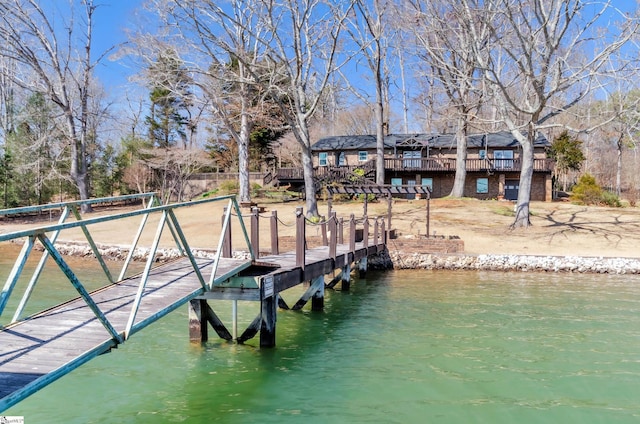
{"x":346,"y":277}
{"x":317,"y":300}
{"x":200,"y":313}
{"x":362,"y":267}
{"x":268,"y":308}
{"x":198,"y":331}
{"x":268,"y":313}
{"x":234,"y":312}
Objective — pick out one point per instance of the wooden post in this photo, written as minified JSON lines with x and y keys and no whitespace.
{"x":198,"y":331}
{"x":268,"y":312}
{"x":365,"y":232}
{"x":389,"y":202}
{"x":375,"y":233}
{"x":255,"y":232}
{"x":275,"y":249}
{"x":384,"y":232}
{"x":346,"y":277}
{"x":300,"y":238}
{"x":323,"y":230}
{"x":366,"y":202}
{"x":334,"y":239}
{"x":317,"y":300}
{"x":226,"y":245}
{"x":428,"y":214}
{"x":341,"y":231}
{"x":352,"y":233}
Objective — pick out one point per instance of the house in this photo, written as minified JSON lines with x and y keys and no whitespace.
{"x":493,"y":163}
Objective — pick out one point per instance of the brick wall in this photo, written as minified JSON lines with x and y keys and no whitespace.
{"x":440,"y":244}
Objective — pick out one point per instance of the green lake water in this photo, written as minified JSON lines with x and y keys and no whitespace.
{"x":400,"y":347}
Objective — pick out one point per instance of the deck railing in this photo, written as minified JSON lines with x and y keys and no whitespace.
{"x":441,"y":165}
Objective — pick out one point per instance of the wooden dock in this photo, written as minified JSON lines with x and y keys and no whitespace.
{"x":39,"y":349}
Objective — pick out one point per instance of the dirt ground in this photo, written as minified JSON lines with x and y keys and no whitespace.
{"x":557,"y":228}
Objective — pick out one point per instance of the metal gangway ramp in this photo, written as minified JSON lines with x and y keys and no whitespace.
{"x":37,"y":350}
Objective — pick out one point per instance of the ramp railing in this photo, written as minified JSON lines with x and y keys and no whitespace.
{"x":47,"y":235}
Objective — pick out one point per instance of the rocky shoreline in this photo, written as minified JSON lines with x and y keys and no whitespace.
{"x":403,"y":260}
{"x":522,"y":263}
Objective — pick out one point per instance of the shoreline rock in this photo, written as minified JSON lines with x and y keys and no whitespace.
{"x":521,"y":263}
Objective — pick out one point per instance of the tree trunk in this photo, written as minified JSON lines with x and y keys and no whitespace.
{"x":526,"y":176}
{"x":243,"y":153}
{"x":307,"y":168}
{"x":379,"y":112}
{"x":309,"y":183}
{"x":461,"y":158}
{"x":619,"y":167}
{"x":379,"y":143}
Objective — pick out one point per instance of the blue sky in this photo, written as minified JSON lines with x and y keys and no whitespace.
{"x":114,"y":17}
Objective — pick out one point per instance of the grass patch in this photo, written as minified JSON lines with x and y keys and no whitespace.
{"x":504,"y":211}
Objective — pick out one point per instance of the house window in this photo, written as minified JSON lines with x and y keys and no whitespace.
{"x":322,"y":159}
{"x":482,"y":185}
{"x":428,"y":182}
{"x":362,"y":156}
{"x":411,"y":158}
{"x":482,"y":154}
{"x":503,"y":159}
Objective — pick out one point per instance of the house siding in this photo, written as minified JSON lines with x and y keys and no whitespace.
{"x":437,"y":160}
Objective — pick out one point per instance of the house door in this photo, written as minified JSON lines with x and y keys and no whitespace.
{"x":411,"y":183}
{"x":511,"y":188}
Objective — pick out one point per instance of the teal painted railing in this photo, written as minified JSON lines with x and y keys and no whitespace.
{"x":48,"y":234}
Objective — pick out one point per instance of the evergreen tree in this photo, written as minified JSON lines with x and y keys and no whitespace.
{"x":567,"y":152}
{"x":169,"y":98}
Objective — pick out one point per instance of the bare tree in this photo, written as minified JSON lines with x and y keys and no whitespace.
{"x":171,"y":168}
{"x":221,"y":45}
{"x":545,"y":55}
{"x":622,"y":123}
{"x":302,"y":42}
{"x":370,"y":31}
{"x":446,"y":34}
{"x":59,"y":64}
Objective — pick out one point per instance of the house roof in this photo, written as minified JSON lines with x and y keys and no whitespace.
{"x":360,"y":142}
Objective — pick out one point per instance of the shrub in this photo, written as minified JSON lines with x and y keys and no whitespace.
{"x":588,"y":192}
{"x":212,"y":193}
{"x":370,"y":197}
{"x":255,"y":189}
{"x":611,"y":199}
{"x":229,"y":186}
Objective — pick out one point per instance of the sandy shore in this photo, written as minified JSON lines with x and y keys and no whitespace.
{"x":557,"y":228}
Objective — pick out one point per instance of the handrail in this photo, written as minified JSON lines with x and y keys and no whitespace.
{"x":47,"y":235}
{"x":61,"y":205}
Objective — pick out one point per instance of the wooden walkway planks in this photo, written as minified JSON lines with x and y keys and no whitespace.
{"x":37,"y":351}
